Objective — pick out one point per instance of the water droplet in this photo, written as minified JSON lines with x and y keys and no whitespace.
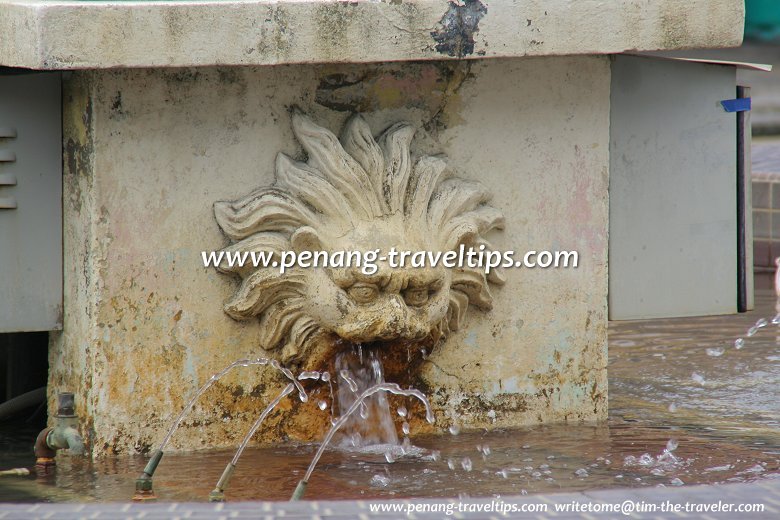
{"x":776,"y":320}
{"x":536,"y":474}
{"x":389,"y":456}
{"x":671,"y":445}
{"x":698,"y":378}
{"x":526,"y":446}
{"x":739,"y":343}
{"x":646,"y":459}
{"x":405,"y":428}
{"x":676,"y":482}
{"x":715,"y":351}
{"x":436,"y":455}
{"x":486,"y":450}
{"x":402,"y":411}
{"x":454,"y":429}
{"x":350,"y":382}
{"x":752,"y":331}
{"x":325,"y":376}
{"x":550,"y":457}
{"x":450,"y":463}
{"x":503,"y":473}
{"x":379,"y":481}
{"x":466,"y":463}
{"x":322,"y":405}
{"x":582,"y":472}
{"x":672,"y":407}
{"x":760,"y":324}
{"x":363,"y":411}
{"x":308,"y":375}
{"x":424,"y":354}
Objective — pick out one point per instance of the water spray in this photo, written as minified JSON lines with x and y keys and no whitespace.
{"x":393,"y":388}
{"x":218,"y":493}
{"x":144,"y":489}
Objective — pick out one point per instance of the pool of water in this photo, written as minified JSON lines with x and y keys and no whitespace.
{"x":716,"y":415}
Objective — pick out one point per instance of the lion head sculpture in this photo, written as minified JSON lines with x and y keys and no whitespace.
{"x":357,"y":193}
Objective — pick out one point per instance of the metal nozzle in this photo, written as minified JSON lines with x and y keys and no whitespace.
{"x":300,"y":490}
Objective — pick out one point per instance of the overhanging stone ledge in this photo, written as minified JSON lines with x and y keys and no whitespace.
{"x":60,"y":35}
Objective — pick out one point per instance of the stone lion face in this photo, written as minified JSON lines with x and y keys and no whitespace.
{"x":357,"y":193}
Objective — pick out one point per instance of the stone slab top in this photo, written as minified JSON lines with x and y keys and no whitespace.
{"x":61,"y":35}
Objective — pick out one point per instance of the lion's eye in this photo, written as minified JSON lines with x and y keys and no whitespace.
{"x":363,"y":292}
{"x":416,"y":297}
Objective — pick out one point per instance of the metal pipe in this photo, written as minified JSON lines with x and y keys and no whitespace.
{"x":144,"y":488}
{"x":22,"y":402}
{"x":64,"y":436}
{"x":218,"y":493}
{"x":300,"y":490}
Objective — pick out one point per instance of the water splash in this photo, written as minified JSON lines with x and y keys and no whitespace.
{"x":289,"y":375}
{"x":344,"y":374}
{"x":379,"y":481}
{"x":374,"y":421}
{"x":392,"y":388}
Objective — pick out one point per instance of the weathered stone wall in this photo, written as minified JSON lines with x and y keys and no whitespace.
{"x":148,"y":152}
{"x":62,"y":34}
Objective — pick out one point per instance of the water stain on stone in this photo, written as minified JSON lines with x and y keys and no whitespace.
{"x":454,"y":34}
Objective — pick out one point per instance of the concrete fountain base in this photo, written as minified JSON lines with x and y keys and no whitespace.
{"x":149,"y":151}
{"x":169,"y":107}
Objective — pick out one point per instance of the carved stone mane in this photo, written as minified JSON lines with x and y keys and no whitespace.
{"x":357,"y":193}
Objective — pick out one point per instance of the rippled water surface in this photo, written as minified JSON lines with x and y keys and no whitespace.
{"x":720,"y":411}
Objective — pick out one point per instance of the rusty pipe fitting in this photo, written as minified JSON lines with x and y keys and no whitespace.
{"x":44,"y":455}
{"x":64,"y":435}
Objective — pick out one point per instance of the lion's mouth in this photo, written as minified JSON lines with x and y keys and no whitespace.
{"x":400,"y":358}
